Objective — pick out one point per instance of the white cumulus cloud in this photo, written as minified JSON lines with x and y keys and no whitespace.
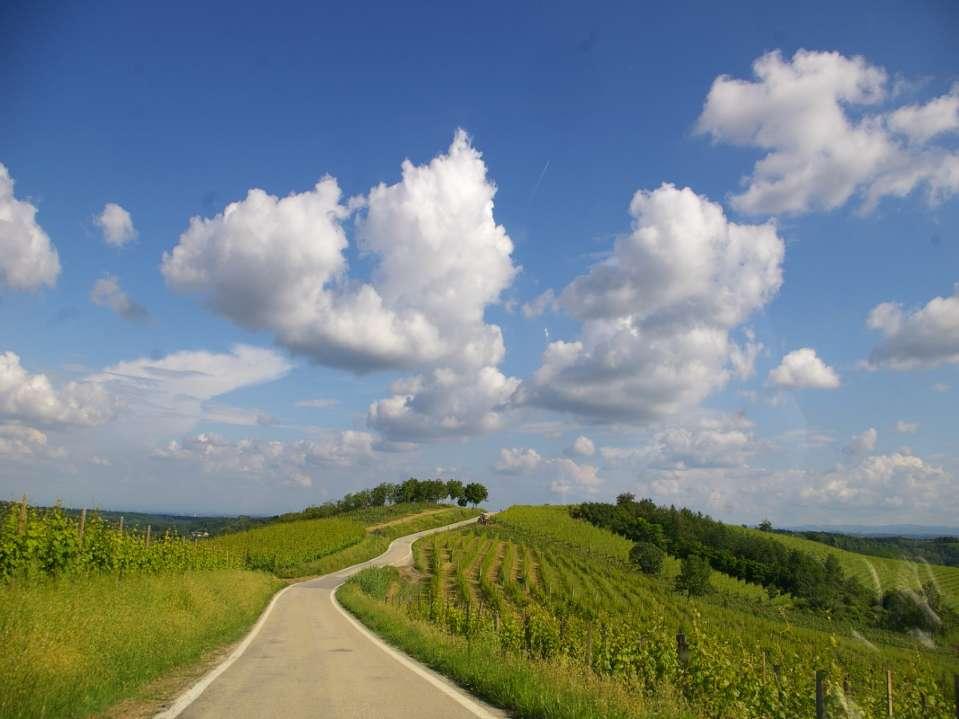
{"x":582,"y":446}
{"x":444,"y":403}
{"x":658,"y":313}
{"x":33,"y":398}
{"x":296,"y":463}
{"x":801,"y":369}
{"x":439,"y":260}
{"x":107,"y":293}
{"x":926,"y":337}
{"x":863,"y":443}
{"x":517,"y":461}
{"x":816,"y":116}
{"x":116,"y":225}
{"x":28,"y":260}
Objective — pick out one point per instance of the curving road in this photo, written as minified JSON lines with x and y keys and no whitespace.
{"x":307,"y":657}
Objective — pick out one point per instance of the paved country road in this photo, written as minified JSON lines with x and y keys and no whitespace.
{"x":307,"y":657}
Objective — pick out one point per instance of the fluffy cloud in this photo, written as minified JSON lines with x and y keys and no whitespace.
{"x":884,"y":481}
{"x":708,"y":441}
{"x":801,"y":369}
{"x":582,"y":446}
{"x":904,"y":427}
{"x":921,"y":123}
{"x":170,"y":394}
{"x":107,"y":293}
{"x":517,"y":461}
{"x":25,"y":443}
{"x":572,"y":476}
{"x":863,"y":443}
{"x":295,"y":463}
{"x":116,"y":225}
{"x":28,"y":260}
{"x":539,"y":304}
{"x":926,"y":337}
{"x":657,"y":314}
{"x":808,"y":114}
{"x":443,"y":403}
{"x":439,"y":260}
{"x":32,"y":398}
{"x":563,"y":475}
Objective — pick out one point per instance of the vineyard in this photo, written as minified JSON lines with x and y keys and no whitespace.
{"x":880,"y":573}
{"x":556,"y":592}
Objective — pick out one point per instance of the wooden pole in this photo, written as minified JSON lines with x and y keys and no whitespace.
{"x":682,"y":649}
{"x":820,"y":695}
{"x":955,"y":689}
{"x":148,"y":535}
{"x":889,"y":693}
{"x":121,"y":525}
{"x":22,"y":523}
{"x":83,"y":524}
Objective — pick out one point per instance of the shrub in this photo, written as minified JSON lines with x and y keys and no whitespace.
{"x":693,"y":579}
{"x":648,"y":557}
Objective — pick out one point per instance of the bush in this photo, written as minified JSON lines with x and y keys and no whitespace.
{"x":693,"y":579}
{"x":648,"y":557}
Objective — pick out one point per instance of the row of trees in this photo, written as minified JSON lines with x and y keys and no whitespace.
{"x":412,"y":491}
{"x":704,"y":544}
{"x":684,"y":533}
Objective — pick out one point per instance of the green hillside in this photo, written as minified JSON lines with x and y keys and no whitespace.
{"x":542,"y":614}
{"x":879,"y":573}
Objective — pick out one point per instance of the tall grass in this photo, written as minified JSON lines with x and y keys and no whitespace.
{"x":73,"y":646}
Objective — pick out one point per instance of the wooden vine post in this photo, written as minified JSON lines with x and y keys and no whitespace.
{"x":889,"y":693}
{"x":820,"y":694}
{"x":22,"y":522}
{"x":83,"y":525}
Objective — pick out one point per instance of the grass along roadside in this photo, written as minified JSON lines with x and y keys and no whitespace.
{"x":526,"y":688}
{"x":75,"y":646}
{"x":72,"y":647}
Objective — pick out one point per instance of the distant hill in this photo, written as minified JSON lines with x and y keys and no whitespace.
{"x":884,"y":530}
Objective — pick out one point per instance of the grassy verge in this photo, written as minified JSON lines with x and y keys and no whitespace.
{"x":525,"y":687}
{"x":73,"y":647}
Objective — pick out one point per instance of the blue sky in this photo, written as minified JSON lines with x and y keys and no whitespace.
{"x":775,"y":333}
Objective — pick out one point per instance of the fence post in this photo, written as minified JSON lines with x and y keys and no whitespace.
{"x":22,"y":523}
{"x":148,"y":535}
{"x":820,"y":695}
{"x":889,"y":693}
{"x":83,"y":524}
{"x":682,"y":649}
{"x":955,"y":689}
{"x":121,"y":525}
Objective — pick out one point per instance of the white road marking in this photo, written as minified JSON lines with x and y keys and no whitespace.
{"x":194,"y":692}
{"x":191,"y":694}
{"x":451,"y":691}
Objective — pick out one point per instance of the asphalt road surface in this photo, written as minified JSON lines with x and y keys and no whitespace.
{"x":309,"y":658}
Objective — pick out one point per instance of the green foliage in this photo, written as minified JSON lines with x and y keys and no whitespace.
{"x":73,"y":646}
{"x":755,"y":558}
{"x":877,"y":573}
{"x":376,"y":581}
{"x":648,"y":557}
{"x":693,"y":579}
{"x":284,"y":548}
{"x":533,"y":592}
{"x":48,"y":543}
{"x":475,"y":493}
